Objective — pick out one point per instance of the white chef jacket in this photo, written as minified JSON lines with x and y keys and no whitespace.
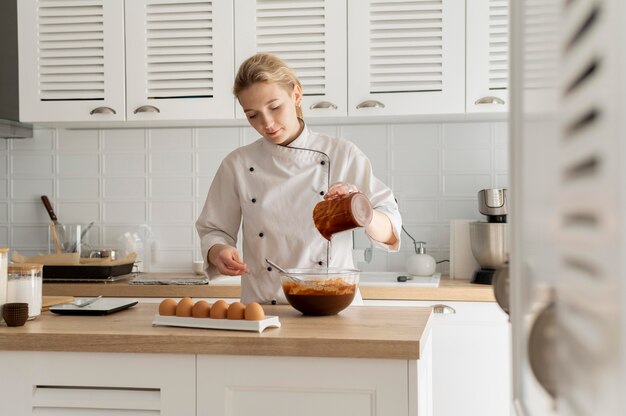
{"x":271,"y":190}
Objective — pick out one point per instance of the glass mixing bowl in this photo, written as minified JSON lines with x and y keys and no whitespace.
{"x":320,"y":291}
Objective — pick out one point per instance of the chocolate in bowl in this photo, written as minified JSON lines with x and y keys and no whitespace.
{"x":320,"y":292}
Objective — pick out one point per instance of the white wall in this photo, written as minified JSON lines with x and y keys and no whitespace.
{"x":159,"y":177}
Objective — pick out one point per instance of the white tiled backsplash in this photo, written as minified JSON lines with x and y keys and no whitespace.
{"x":127,"y":180}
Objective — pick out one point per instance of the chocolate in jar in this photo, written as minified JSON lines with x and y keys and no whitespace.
{"x":343,"y":213}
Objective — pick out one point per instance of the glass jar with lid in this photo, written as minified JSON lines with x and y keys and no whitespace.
{"x":25,"y":284}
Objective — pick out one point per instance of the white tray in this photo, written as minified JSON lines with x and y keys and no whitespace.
{"x":208,"y":323}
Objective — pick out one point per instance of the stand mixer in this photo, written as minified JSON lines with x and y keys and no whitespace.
{"x":489,"y":239}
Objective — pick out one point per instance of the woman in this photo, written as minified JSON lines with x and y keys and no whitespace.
{"x":271,"y":186}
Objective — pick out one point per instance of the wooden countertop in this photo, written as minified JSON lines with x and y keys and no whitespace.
{"x":357,"y":332}
{"x":448,"y":290}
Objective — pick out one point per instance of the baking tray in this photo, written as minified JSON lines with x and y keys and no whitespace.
{"x":86,"y":272}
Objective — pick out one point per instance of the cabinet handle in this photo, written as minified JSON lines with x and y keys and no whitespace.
{"x":324,"y":105}
{"x":489,"y":100}
{"x":443,"y":309}
{"x":147,"y":109}
{"x":370,"y":104}
{"x":102,"y":110}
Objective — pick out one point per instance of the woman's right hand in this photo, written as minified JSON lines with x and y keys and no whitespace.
{"x":227,"y":260}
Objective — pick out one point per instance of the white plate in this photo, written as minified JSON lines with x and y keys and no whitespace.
{"x":208,"y":323}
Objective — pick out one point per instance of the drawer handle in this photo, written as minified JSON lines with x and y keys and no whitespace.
{"x":102,"y":110}
{"x":489,"y":100}
{"x":147,"y":109}
{"x":443,"y":309}
{"x":370,"y":104}
{"x":323,"y":105}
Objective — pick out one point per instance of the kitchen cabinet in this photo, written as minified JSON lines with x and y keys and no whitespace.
{"x":106,"y":60}
{"x":486,"y":79}
{"x":471,"y":361}
{"x":310,"y":37}
{"x":62,"y":383}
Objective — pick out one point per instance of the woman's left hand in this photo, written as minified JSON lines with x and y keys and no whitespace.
{"x":339,"y":189}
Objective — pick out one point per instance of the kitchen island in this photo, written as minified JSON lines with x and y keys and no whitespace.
{"x":366,"y":360}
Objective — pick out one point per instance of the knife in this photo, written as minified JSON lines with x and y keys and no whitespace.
{"x":53,"y":217}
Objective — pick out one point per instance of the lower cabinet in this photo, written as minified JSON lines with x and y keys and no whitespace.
{"x":471,"y":357}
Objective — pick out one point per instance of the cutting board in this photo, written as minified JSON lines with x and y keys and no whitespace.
{"x":48,"y":301}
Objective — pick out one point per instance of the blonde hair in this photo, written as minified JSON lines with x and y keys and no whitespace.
{"x":265,"y":67}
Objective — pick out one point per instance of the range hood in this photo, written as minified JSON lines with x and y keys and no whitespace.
{"x":10,"y":128}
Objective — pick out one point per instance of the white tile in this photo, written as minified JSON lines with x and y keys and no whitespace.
{"x":129,"y":188}
{"x":171,"y":212}
{"x":202,"y":187}
{"x":28,"y":165}
{"x":4,"y":212}
{"x":92,"y":238}
{"x":120,"y":140}
{"x":169,"y":237}
{"x":469,"y":159}
{"x":431,"y":234}
{"x":465,"y":184}
{"x":4,"y":193}
{"x":378,"y":262}
{"x":331,"y":131}
{"x":119,"y":236}
{"x":250,"y":135}
{"x":419,"y":211}
{"x":502,"y":181}
{"x":372,"y":140}
{"x":415,"y":160}
{"x":4,"y":145}
{"x":411,"y":186}
{"x":170,"y":139}
{"x":172,"y":260}
{"x":409,"y":135}
{"x":79,"y":188}
{"x":28,"y":213}
{"x":29,"y":236}
{"x":171,"y":187}
{"x":123,"y":164}
{"x":218,"y":138}
{"x":466,"y":135}
{"x":79,"y":164}
{"x":171,"y":163}
{"x":125,"y":212}
{"x":43,"y":139}
{"x":500,"y":134}
{"x":501,"y":161}
{"x":31,"y":189}
{"x":78,"y":140}
{"x":4,"y":166}
{"x":4,"y":236}
{"x":79,"y":212}
{"x":460,"y":209}
{"x":208,"y":162}
{"x":360,"y":240}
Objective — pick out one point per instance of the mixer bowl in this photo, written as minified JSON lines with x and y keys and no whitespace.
{"x":490,"y":244}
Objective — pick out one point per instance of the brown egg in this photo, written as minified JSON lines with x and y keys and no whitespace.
{"x":167,"y":307}
{"x":236,"y":310}
{"x":184,"y":307}
{"x":201,"y":309}
{"x":254,"y":312}
{"x":219,"y":310}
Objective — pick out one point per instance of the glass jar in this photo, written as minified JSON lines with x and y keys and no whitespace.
{"x":25,"y":284}
{"x":4,"y":253}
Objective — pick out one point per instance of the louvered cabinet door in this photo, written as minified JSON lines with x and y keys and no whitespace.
{"x":310,"y":36}
{"x":71,"y":60}
{"x":487,"y":69}
{"x":406,"y":57}
{"x":179,"y":59}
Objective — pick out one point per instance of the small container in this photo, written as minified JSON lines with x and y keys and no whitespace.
{"x":25,"y":285}
{"x":343,"y":213}
{"x":15,"y":314}
{"x":4,"y":252}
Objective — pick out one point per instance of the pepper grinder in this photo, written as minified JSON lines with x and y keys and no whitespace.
{"x":420,"y":263}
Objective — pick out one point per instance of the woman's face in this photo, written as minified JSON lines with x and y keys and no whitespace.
{"x":271,"y":110}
